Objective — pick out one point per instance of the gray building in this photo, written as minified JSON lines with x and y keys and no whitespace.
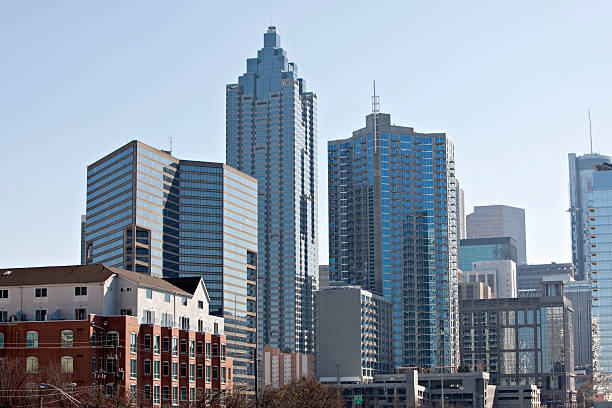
{"x":486,"y":249}
{"x":353,"y":334}
{"x":323,"y":276}
{"x":460,"y":212}
{"x":83,"y":242}
{"x":499,"y":221}
{"x":150,"y":212}
{"x":523,"y":341}
{"x":392,"y":230}
{"x":530,"y":276}
{"x":581,"y":170}
{"x":271,"y":135}
{"x":579,"y":292}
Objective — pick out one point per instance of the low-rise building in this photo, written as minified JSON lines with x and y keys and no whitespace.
{"x":517,"y":396}
{"x":116,"y":329}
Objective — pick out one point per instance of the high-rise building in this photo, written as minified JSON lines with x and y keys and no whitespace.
{"x":530,"y":276}
{"x":83,"y":242}
{"x":500,"y":275}
{"x":485,"y":249}
{"x":499,"y":221}
{"x":150,"y":212}
{"x":460,"y":212}
{"x":392,"y":231}
{"x":323,"y":276}
{"x":581,"y":169}
{"x":599,"y":210}
{"x":580,"y":293}
{"x":271,"y":129}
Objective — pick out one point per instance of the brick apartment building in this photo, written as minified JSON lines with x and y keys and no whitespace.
{"x":115,"y":329}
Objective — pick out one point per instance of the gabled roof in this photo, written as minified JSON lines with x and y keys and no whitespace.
{"x":189,"y":284}
{"x":78,"y":274}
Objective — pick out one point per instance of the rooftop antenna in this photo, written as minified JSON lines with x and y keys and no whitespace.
{"x":590,"y":131}
{"x":375,"y":110}
{"x":170,"y":139}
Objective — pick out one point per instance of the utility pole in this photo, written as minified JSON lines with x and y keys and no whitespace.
{"x":338,"y":382}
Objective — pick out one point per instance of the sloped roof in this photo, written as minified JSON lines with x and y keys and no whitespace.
{"x":188,"y":283}
{"x":76,"y":274}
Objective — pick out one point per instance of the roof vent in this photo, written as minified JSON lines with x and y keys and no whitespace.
{"x":7,"y":273}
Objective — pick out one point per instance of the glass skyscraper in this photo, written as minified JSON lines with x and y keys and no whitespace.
{"x":392,"y":230}
{"x":150,"y":212}
{"x":485,"y":249}
{"x":581,"y":170}
{"x":271,"y":129}
{"x":599,"y":208}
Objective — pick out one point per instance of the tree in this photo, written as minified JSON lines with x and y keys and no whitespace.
{"x":585,"y":395}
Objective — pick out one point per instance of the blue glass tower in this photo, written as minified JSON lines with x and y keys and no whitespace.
{"x":392,"y":230}
{"x":271,"y":130}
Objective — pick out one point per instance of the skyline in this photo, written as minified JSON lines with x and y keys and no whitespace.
{"x":136,"y":89}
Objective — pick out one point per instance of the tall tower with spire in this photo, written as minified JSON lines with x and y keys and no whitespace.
{"x":271,"y":134}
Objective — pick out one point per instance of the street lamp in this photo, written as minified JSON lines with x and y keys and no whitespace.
{"x":70,"y":397}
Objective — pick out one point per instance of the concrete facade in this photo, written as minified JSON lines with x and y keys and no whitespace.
{"x":499,"y":275}
{"x":474,"y":290}
{"x":282,"y":368}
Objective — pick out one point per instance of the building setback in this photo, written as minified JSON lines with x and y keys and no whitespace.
{"x":115,"y":329}
{"x":392,"y":231}
{"x":152,"y":213}
{"x":489,"y":221}
{"x":353,"y":334}
{"x":485,"y":249}
{"x":271,"y":135}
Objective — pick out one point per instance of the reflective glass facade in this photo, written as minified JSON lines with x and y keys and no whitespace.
{"x":392,"y":230}
{"x":150,"y":212}
{"x":485,"y":249}
{"x":271,"y":129}
{"x":600,"y":260}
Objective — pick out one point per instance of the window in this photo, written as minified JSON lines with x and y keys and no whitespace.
{"x":184,"y":301}
{"x":147,"y":342}
{"x":200,"y":325}
{"x":174,"y":370}
{"x":93,"y":339}
{"x":200,"y":348}
{"x":174,"y":346}
{"x":32,"y":339}
{"x":166,"y":344}
{"x":191,"y":372}
{"x":156,"y":394}
{"x":175,"y":395}
{"x":166,"y":369}
{"x":40,"y":315}
{"x":200,"y":304}
{"x":167,"y":297}
{"x":215,"y":349}
{"x":93,"y":364}
{"x":148,"y":316}
{"x":192,"y":348}
{"x":156,"y":369}
{"x":132,"y":342}
{"x":67,"y":365}
{"x":67,"y":338}
{"x":156,"y":344}
{"x":222,"y":375}
{"x":229,"y":374}
{"x":215,"y":370}
{"x":208,"y":350}
{"x":149,"y":294}
{"x":147,"y":392}
{"x":133,"y":368}
{"x":1,"y":340}
{"x":147,"y":367}
{"x":79,"y":313}
{"x":4,"y":316}
{"x":40,"y":292}
{"x":183,"y":346}
{"x":110,"y":365}
{"x":112,"y":339}
{"x":183,"y":370}
{"x":80,"y":291}
{"x":184,"y":323}
{"x":191,"y":394}
{"x":223,"y":352}
{"x":133,"y":391}
{"x":207,"y":373}
{"x":200,"y":371}
{"x":31,"y":365}
{"x":183,"y":393}
{"x":166,"y":393}
{"x":126,"y":312}
{"x":4,"y":294}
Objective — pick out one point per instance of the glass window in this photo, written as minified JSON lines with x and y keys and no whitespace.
{"x":215,"y":350}
{"x":191,"y":394}
{"x":215,"y":373}
{"x":112,"y":339}
{"x":166,"y":368}
{"x":166,"y":344}
{"x":208,"y":350}
{"x":156,"y":340}
{"x":132,"y":342}
{"x":507,"y":338}
{"x":223,"y":352}
{"x":31,"y":365}
{"x":67,"y":338}
{"x":40,"y":292}
{"x":80,"y":291}
{"x":1,"y":340}
{"x":156,"y":394}
{"x":199,"y":348}
{"x":32,"y":339}
{"x":183,"y":393}
{"x":175,"y":395}
{"x":166,"y":393}
{"x":222,"y":375}
{"x":507,"y":364}
{"x":156,"y":369}
{"x":147,"y":367}
{"x":147,"y":342}
{"x":207,"y":373}
{"x":133,"y":368}
{"x":174,"y":346}
{"x":526,"y":363}
{"x":525,"y":337}
{"x":191,"y":348}
{"x":183,"y":370}
{"x":191,"y":372}
{"x":147,"y":392}
{"x":167,"y":297}
{"x":149,"y":294}
{"x":183,"y":346}
{"x":174,"y":370}
{"x":67,"y":365}
{"x":200,"y":371}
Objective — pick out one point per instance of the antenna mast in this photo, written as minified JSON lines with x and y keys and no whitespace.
{"x":375,"y":110}
{"x":590,"y":131}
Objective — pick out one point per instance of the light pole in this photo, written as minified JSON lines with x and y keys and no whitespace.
{"x":70,"y":397}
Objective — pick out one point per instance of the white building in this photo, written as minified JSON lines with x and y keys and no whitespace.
{"x":74,"y":292}
{"x":499,"y":275}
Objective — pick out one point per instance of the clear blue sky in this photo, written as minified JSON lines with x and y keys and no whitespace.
{"x":509,"y":81}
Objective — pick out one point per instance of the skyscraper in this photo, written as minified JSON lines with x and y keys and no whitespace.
{"x":271,"y":129}
{"x":485,"y":249}
{"x":150,"y":212}
{"x":599,"y":210}
{"x":460,"y":212}
{"x":392,"y":230}
{"x":489,"y":221}
{"x":83,"y":241}
{"x":581,"y":170}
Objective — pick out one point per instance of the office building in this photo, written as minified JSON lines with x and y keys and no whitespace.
{"x":83,"y":242}
{"x":323,"y":276}
{"x":523,"y":341}
{"x":150,"y":212}
{"x":392,"y":231}
{"x":280,"y":369}
{"x":599,"y":204}
{"x":499,"y":221}
{"x":353,"y":334}
{"x":271,"y":129}
{"x":580,"y":294}
{"x":485,"y":249}
{"x":530,"y":276}
{"x":474,"y":290}
{"x":499,"y":275}
{"x":460,"y":212}
{"x":581,"y":169}
{"x":116,"y":329}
